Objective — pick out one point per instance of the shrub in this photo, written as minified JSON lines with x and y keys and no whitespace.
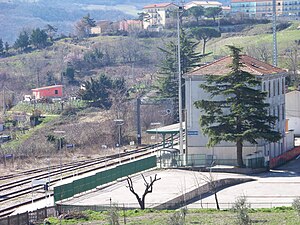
{"x":296,"y":205}
{"x":113,"y":215}
{"x":241,"y":207}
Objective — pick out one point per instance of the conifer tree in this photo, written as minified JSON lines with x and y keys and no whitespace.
{"x":1,"y":47}
{"x":22,"y":41}
{"x":167,"y":85}
{"x":242,"y":115}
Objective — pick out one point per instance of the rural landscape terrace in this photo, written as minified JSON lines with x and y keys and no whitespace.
{"x":149,"y":112}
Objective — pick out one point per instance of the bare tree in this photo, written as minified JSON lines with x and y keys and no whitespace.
{"x":148,"y":189}
{"x":292,"y":61}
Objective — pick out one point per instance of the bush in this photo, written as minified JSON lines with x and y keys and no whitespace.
{"x":113,"y":215}
{"x":178,"y":218}
{"x":296,"y":205}
{"x":241,"y":207}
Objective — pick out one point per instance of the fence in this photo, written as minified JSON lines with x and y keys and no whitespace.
{"x":167,"y":159}
{"x":285,"y":157}
{"x":197,"y":205}
{"x":103,"y":177}
{"x":29,"y":217}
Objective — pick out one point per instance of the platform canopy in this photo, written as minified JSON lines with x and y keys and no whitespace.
{"x":170,"y":129}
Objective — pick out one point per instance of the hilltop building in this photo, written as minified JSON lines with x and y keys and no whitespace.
{"x":204,"y":4}
{"x":272,"y":81}
{"x":263,"y":8}
{"x":157,"y":16}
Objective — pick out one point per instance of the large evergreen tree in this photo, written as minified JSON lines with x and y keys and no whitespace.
{"x":99,"y":91}
{"x":1,"y":47}
{"x":205,"y":34}
{"x":22,"y":41}
{"x":38,"y":38}
{"x":167,"y":85}
{"x":242,"y":115}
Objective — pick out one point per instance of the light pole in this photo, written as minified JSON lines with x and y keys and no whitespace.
{"x":119,"y":123}
{"x":179,"y":83}
{"x":60,"y":132}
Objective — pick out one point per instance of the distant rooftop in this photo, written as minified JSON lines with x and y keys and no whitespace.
{"x":159,"y":5}
{"x":46,"y":87}
{"x":249,"y":64}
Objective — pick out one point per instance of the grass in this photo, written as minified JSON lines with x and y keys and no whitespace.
{"x":273,"y":216}
{"x":22,"y":137}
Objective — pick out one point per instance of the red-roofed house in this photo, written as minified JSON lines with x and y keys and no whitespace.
{"x":157,"y":16}
{"x":272,"y":81}
{"x":55,"y":91}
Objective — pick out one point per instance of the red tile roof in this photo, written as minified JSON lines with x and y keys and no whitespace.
{"x":158,"y":5}
{"x":250,"y":64}
{"x":47,"y":87}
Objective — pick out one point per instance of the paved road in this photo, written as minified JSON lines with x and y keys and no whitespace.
{"x":279,"y":187}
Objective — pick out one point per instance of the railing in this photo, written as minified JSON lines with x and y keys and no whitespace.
{"x":166,"y":160}
{"x":26,"y":218}
{"x":198,"y":205}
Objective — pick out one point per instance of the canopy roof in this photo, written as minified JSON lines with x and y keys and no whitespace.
{"x":170,"y":129}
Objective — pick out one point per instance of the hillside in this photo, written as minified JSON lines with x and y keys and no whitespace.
{"x":16,"y":15}
{"x":135,"y":59}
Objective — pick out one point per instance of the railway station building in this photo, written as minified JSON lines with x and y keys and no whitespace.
{"x":272,"y":82}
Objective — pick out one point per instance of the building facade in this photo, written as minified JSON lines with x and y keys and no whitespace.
{"x":264,"y":8}
{"x":55,"y":91}
{"x":272,"y":81}
{"x":204,"y":4}
{"x":292,"y":100}
{"x":158,"y":16}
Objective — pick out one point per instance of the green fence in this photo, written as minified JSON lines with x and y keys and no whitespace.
{"x":88,"y":183}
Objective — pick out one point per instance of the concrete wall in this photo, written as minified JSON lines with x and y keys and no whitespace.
{"x":196,"y":194}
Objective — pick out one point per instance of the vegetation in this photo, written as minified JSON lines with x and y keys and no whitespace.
{"x":242,"y":115}
{"x":272,"y":216}
{"x":167,"y":84}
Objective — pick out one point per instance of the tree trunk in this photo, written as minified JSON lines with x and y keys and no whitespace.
{"x":217,"y":201}
{"x":239,"y":153}
{"x":204,"y":45}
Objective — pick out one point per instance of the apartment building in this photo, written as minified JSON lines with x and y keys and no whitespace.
{"x":264,"y":8}
{"x":157,"y":16}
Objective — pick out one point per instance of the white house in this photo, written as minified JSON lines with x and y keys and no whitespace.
{"x":204,"y":4}
{"x":292,"y":108}
{"x":157,"y":16}
{"x":273,"y":82}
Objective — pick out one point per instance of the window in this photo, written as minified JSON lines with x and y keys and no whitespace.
{"x":282,"y":85}
{"x":56,"y":92}
{"x":278,"y":113}
{"x":274,"y":87}
{"x":283,"y":110}
{"x":269,"y":89}
{"x":278,"y":87}
{"x":264,"y":86}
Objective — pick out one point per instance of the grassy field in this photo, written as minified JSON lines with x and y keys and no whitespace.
{"x":257,"y":37}
{"x":274,"y":216}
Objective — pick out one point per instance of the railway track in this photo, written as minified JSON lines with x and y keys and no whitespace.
{"x":9,"y":194}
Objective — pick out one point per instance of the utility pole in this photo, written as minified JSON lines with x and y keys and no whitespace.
{"x":274,"y":35}
{"x":3,"y":99}
{"x":179,"y":83}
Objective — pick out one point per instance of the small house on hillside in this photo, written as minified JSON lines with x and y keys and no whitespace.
{"x":55,"y":91}
{"x":130,"y":25}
